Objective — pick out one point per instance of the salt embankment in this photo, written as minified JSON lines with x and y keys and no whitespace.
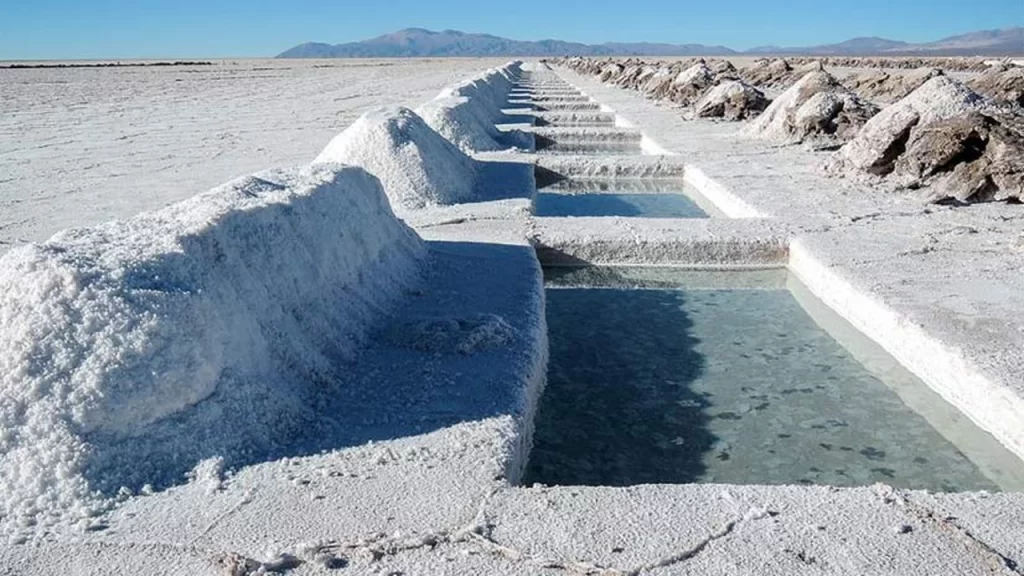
{"x":466,"y":113}
{"x":136,"y":349}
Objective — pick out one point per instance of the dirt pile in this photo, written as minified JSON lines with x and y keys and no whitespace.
{"x":634,"y":75}
{"x":973,"y":157}
{"x":817,"y":109}
{"x":946,"y":137}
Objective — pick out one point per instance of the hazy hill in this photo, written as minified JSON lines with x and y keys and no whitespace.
{"x":1005,"y":42}
{"x":420,"y":42}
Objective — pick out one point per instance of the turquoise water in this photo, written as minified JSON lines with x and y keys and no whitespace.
{"x":664,"y":376}
{"x":646,"y":198}
{"x":591,"y":148}
{"x":645,"y":205}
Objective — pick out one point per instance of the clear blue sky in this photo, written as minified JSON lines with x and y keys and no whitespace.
{"x":57,"y":29}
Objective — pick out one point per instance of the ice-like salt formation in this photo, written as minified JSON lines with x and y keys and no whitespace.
{"x":417,"y":166}
{"x":136,"y":349}
{"x":467,"y":335}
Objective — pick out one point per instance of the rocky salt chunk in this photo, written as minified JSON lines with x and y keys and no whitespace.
{"x":943,"y":137}
{"x":817,"y":109}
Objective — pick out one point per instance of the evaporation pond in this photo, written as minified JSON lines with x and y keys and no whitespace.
{"x":591,"y":148}
{"x":669,"y":376}
{"x":627,"y":199}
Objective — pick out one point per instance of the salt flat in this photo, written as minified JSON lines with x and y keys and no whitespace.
{"x":79,"y":146}
{"x":449,"y":377}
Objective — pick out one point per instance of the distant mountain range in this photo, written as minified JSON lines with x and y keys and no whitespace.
{"x":417,"y":42}
{"x":420,"y":42}
{"x":1005,"y":42}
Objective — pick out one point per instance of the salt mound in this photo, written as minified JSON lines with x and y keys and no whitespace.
{"x":466,"y":113}
{"x":945,"y":137}
{"x":489,"y":91}
{"x":1002,"y":84}
{"x":767,"y":73}
{"x":881,"y":140}
{"x":724,"y":68}
{"x":461,"y":122}
{"x":691,"y":84}
{"x":884,"y":87}
{"x":417,"y":166}
{"x":467,"y":335}
{"x":660,"y":83}
{"x":611,"y":71}
{"x":136,"y":349}
{"x":817,"y":108}
{"x":732,"y":100}
{"x":972,"y":157}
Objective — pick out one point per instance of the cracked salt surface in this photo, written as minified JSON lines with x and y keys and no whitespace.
{"x":667,"y":377}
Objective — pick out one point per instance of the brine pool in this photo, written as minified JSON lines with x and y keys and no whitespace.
{"x":672,"y":376}
{"x":571,"y":148}
{"x":623,"y":198}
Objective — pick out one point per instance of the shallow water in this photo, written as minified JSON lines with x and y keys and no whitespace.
{"x":647,"y":198}
{"x":646,"y":205}
{"x":664,"y":376}
{"x":591,"y":148}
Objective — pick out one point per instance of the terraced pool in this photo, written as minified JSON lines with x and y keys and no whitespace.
{"x":670,"y":376}
{"x":626,"y":198}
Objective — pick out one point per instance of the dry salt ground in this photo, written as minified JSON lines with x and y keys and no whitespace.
{"x":79,"y":146}
{"x":392,"y":439}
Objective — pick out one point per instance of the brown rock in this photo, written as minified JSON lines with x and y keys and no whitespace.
{"x":972,"y":157}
